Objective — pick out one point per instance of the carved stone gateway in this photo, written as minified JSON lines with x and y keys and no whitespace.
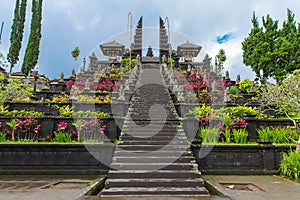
{"x":163,"y":40}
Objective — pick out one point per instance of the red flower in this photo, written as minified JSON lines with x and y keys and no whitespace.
{"x":70,"y":84}
{"x":19,"y":123}
{"x":62,"y":126}
{"x":103,"y":128}
{"x":8,"y":132}
{"x":84,"y":124}
{"x":37,"y":128}
{"x":74,"y":133}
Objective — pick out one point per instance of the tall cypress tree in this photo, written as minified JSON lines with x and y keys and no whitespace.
{"x":250,"y":53}
{"x":33,"y":46}
{"x":17,"y":31}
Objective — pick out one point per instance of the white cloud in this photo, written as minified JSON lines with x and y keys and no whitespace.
{"x":85,"y":23}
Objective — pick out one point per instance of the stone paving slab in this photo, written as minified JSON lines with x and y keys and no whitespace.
{"x":42,"y":193}
{"x":272,"y":187}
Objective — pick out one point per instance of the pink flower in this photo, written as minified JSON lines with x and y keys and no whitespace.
{"x":74,"y":133}
{"x":103,"y":128}
{"x":8,"y":132}
{"x":70,"y":84}
{"x":19,"y":123}
{"x":62,"y":126}
{"x":118,"y":83}
{"x":84,"y":124}
{"x":37,"y":128}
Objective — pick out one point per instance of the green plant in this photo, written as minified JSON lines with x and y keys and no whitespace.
{"x":68,"y":137}
{"x":265,"y":134}
{"x":283,"y":135}
{"x":209,"y":135}
{"x":234,"y":91}
{"x":203,"y":111}
{"x":64,"y":111}
{"x":241,"y":111}
{"x":227,"y":121}
{"x":171,"y":62}
{"x":15,"y":91}
{"x":12,"y":124}
{"x":227,"y":135}
{"x":2,"y":137}
{"x":240,"y":135}
{"x":60,"y":136}
{"x":245,"y":85}
{"x":290,"y":165}
{"x":78,"y":125}
{"x":285,"y":97}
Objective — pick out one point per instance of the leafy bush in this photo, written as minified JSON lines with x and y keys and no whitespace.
{"x":234,"y":90}
{"x":279,"y":135}
{"x":19,"y":113}
{"x":240,"y":136}
{"x":64,"y":111}
{"x":265,"y":134}
{"x":60,"y":98}
{"x":15,"y":91}
{"x":245,"y":85}
{"x":285,"y":97}
{"x":290,"y":165}
{"x":209,"y":135}
{"x":203,"y":111}
{"x":2,"y":136}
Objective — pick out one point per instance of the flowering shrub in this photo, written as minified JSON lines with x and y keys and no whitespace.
{"x":23,"y":130}
{"x":81,"y":130}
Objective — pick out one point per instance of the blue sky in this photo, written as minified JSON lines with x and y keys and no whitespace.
{"x":213,"y":24}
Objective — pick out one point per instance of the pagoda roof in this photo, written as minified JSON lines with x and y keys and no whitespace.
{"x":112,"y":44}
{"x":189,"y":45}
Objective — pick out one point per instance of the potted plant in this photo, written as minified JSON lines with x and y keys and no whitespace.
{"x":265,"y":135}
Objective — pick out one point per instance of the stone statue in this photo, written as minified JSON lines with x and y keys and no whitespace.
{"x":87,"y":85}
{"x":227,"y":75}
{"x":121,"y":94}
{"x":227,"y":97}
{"x":238,"y":79}
{"x":164,"y":59}
{"x":62,"y":77}
{"x":73,"y":75}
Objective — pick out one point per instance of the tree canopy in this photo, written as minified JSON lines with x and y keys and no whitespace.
{"x":273,"y":50}
{"x":17,"y":30}
{"x":33,"y":47}
{"x":221,"y":58}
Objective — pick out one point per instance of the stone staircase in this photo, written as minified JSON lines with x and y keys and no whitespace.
{"x":153,"y":157}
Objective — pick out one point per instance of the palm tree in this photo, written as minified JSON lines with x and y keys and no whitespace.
{"x":75,"y":53}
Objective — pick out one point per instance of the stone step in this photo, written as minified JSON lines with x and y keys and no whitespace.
{"x":154,"y":182}
{"x":154,"y":166}
{"x":155,"y":138}
{"x":153,"y":174}
{"x":168,"y":147}
{"x":153,"y":142}
{"x":151,"y":130}
{"x":147,"y":159}
{"x":120,"y":153}
{"x":152,"y":133}
{"x":166,"y":124}
{"x":156,"y":191}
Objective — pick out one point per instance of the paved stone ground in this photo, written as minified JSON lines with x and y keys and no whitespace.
{"x":32,"y":187}
{"x":273,"y":188}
